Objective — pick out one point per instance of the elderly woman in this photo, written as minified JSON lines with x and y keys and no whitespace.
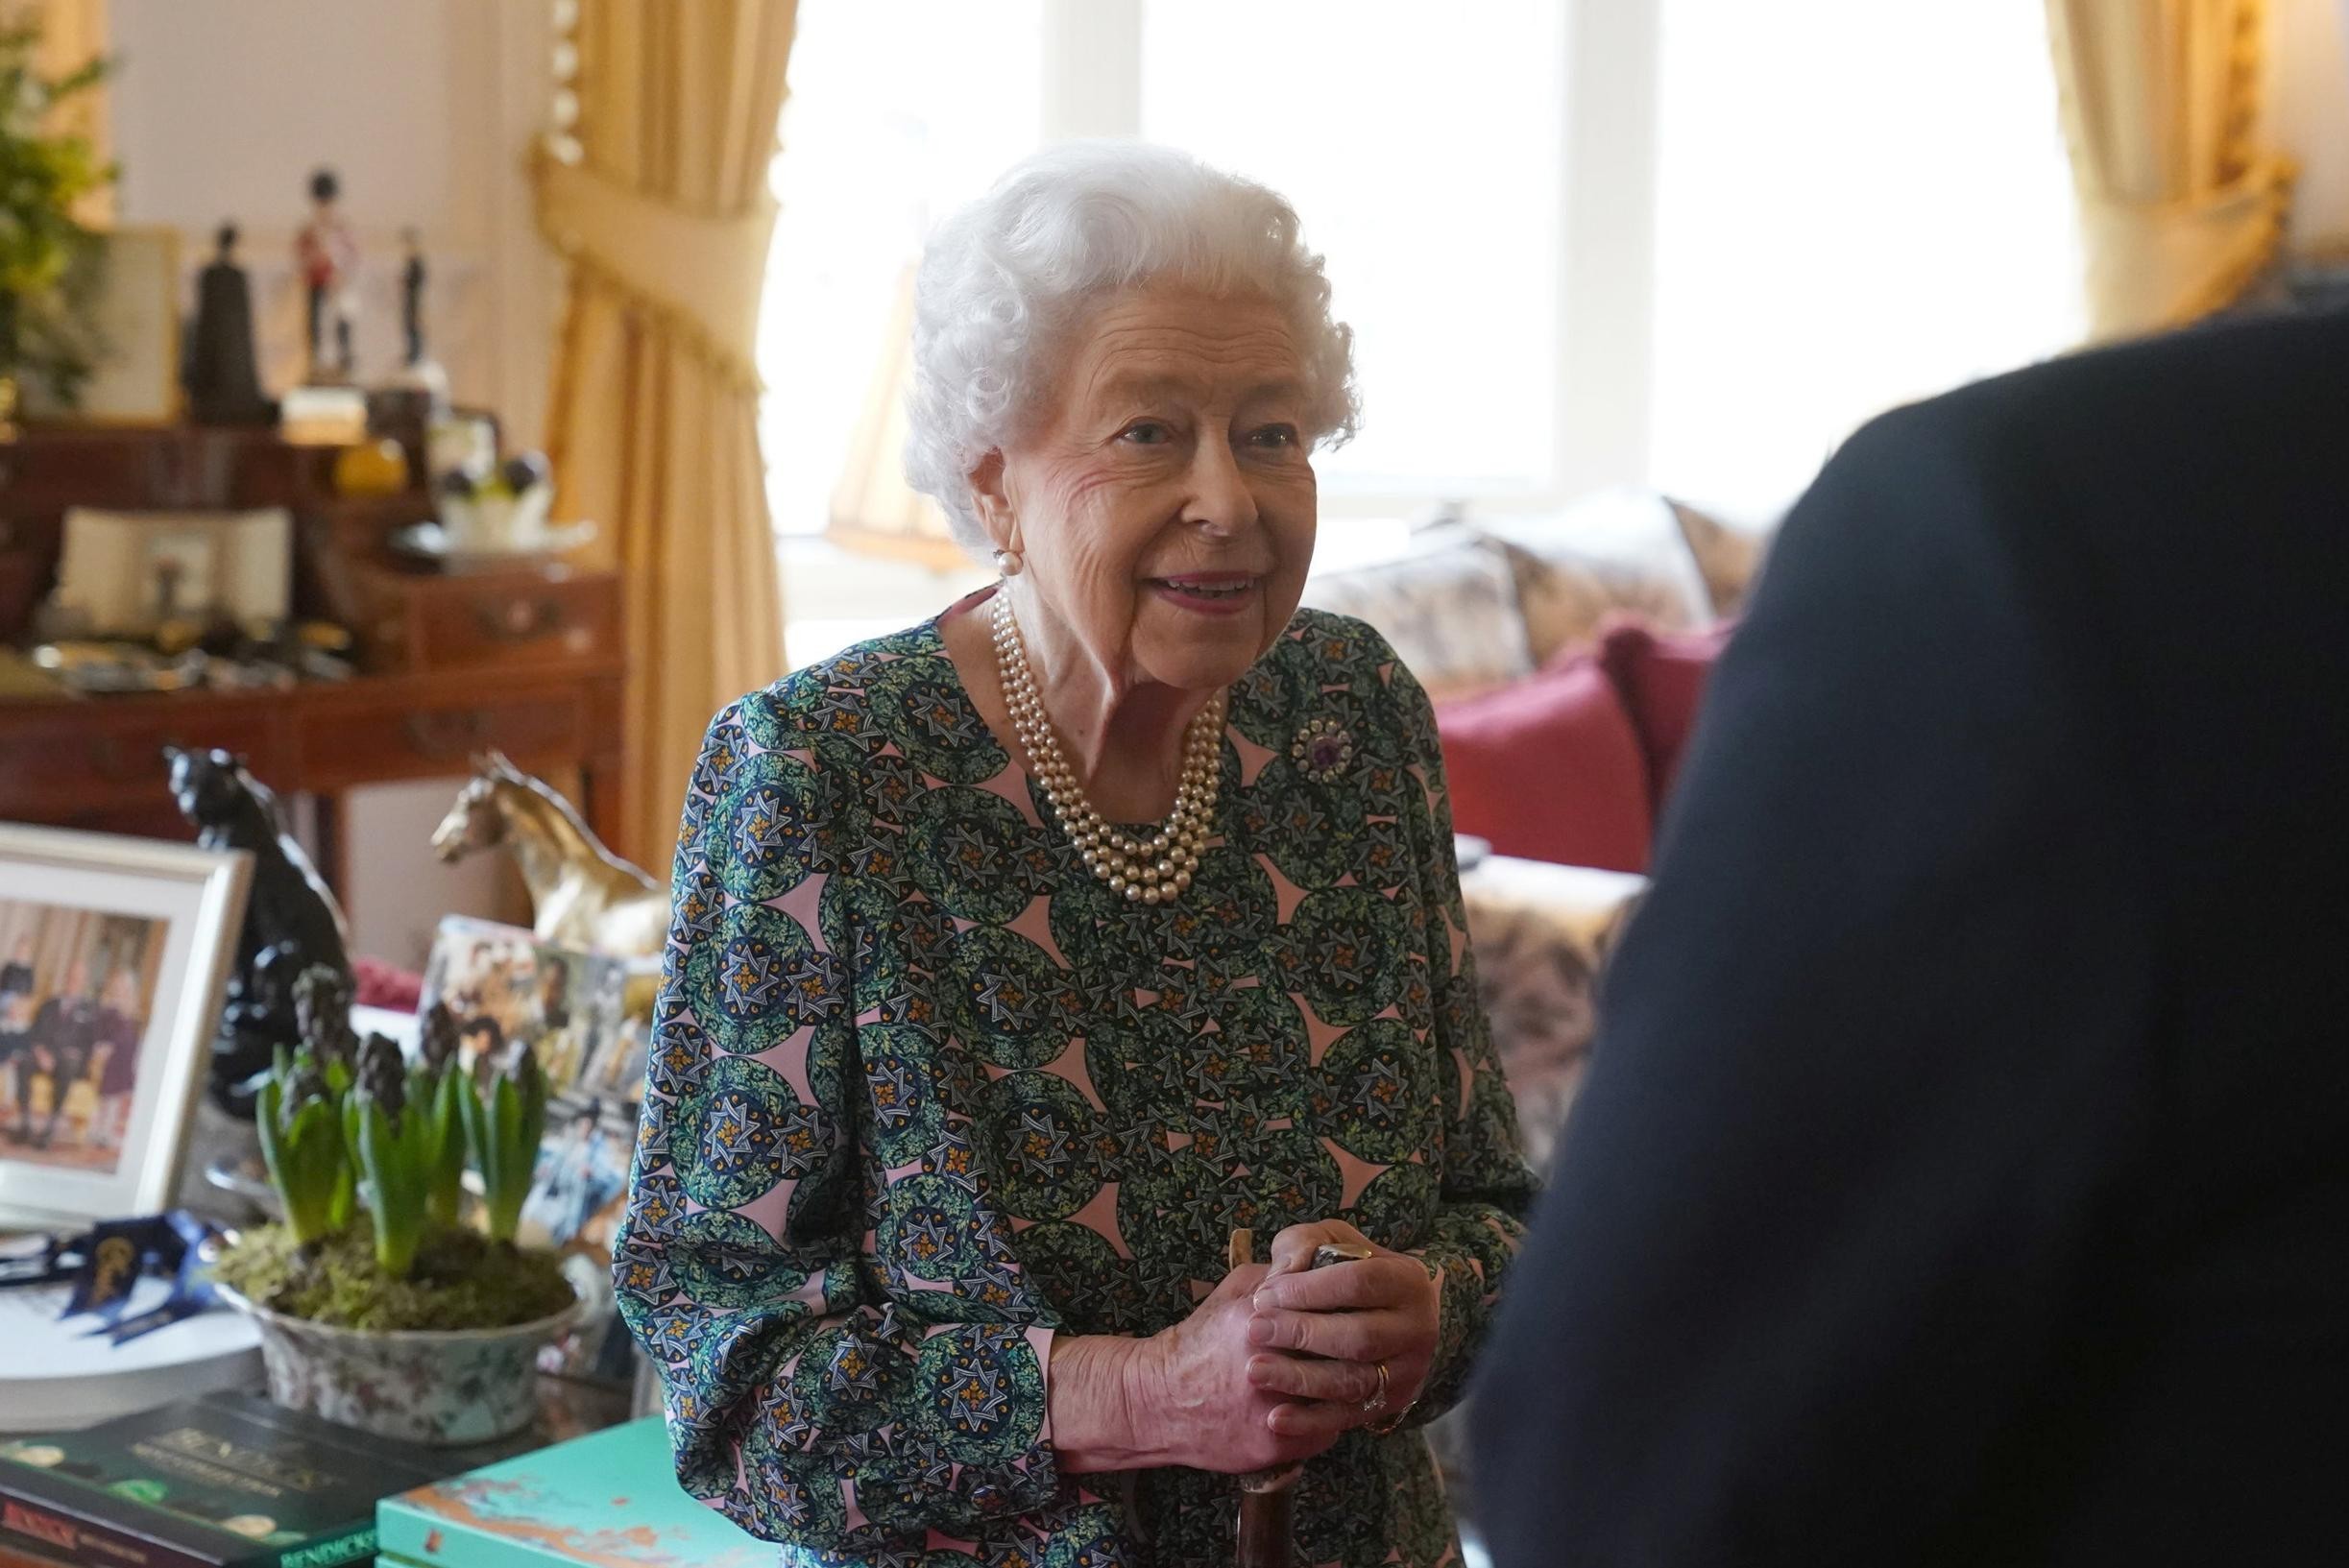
{"x":1021,"y":958}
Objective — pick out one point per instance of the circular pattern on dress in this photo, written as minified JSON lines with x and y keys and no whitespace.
{"x":746,"y":1131}
{"x":1229,"y":909}
{"x":1311,"y":830}
{"x":849,"y":1380}
{"x":776,"y":823}
{"x":1012,"y":1005}
{"x":1288,"y":1179}
{"x":1135,"y":1062}
{"x":679,"y":1048}
{"x":1371,"y":1095}
{"x":758,"y":979}
{"x":1395,"y":1208}
{"x":925,"y":1228}
{"x":920,"y":702}
{"x":1268,"y":1031}
{"x":805,"y":1502}
{"x":1035,"y":1136}
{"x":903,"y":1117}
{"x":1079,"y":1274}
{"x":1177,"y":1219}
{"x":975,"y":854}
{"x":1345,"y":953}
{"x":696,"y":902}
{"x":730,"y":1263}
{"x":985,"y":1393}
{"x":1092,"y":1539}
{"x":884,"y":935}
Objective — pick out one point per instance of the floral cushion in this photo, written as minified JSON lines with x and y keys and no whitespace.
{"x":1449,"y":608}
{"x":1727,"y":554}
{"x":1619,"y":550}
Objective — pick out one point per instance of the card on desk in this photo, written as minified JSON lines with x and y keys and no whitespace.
{"x":609,"y":1499}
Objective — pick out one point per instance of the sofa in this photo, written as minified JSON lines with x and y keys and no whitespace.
{"x":1567,"y":656}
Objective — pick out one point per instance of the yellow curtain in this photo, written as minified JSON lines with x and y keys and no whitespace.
{"x":659,"y":201}
{"x":72,"y":34}
{"x":2181,"y":201}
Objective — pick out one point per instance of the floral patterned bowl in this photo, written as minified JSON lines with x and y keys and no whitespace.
{"x":441,"y":1387}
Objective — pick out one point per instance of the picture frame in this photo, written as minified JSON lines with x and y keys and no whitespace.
{"x":114,"y":953}
{"x":136,"y":310}
{"x":123,"y":573}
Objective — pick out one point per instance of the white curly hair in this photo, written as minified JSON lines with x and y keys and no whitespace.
{"x":1005,"y":280}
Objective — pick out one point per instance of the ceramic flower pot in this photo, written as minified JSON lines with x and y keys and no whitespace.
{"x":441,"y":1387}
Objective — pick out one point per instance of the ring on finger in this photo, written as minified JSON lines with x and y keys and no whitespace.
{"x":1378,"y":1401}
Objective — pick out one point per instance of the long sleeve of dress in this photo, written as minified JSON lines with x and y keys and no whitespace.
{"x":1487,"y":1186}
{"x":820,"y":1391}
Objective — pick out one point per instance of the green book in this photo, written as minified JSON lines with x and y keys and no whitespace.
{"x":229,"y":1481}
{"x":609,"y":1499}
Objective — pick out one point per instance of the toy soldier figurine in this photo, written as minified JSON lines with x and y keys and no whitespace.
{"x":221,"y":373}
{"x":328,"y":257}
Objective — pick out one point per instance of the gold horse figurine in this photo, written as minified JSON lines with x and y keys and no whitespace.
{"x":581,"y":894}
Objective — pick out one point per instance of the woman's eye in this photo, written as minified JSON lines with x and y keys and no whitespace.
{"x":1274,"y":435}
{"x":1146,"y":433}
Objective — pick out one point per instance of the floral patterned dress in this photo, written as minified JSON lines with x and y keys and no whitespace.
{"x":924,"y":1094}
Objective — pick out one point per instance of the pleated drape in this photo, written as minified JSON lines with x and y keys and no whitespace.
{"x":2182,"y":201}
{"x":660,"y":204}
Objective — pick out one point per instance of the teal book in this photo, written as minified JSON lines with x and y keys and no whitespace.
{"x":610,"y":1499}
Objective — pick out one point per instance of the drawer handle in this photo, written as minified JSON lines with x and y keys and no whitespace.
{"x":453,"y":733}
{"x":519,"y":621}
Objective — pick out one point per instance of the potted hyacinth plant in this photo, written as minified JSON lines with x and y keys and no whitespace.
{"x":379,"y":1306}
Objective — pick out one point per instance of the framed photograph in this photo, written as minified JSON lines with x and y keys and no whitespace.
{"x":136,"y":312}
{"x":113,"y":955}
{"x":507,"y":989}
{"x":124,"y":573}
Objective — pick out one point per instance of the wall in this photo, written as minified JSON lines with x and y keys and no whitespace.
{"x":425,"y":109}
{"x":2308,"y":102}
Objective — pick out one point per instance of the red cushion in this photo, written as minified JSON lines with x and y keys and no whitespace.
{"x":1660,"y":676}
{"x":1549,"y":768}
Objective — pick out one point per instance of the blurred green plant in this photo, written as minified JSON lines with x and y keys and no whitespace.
{"x":504,"y":1123}
{"x":301,"y":1134}
{"x":49,"y":261}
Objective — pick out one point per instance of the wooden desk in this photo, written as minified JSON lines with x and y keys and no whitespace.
{"x":526,"y":660}
{"x":97,"y":762}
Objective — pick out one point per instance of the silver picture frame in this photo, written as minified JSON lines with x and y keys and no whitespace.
{"x":114,"y":953}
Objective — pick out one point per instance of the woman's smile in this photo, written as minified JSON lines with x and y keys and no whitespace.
{"x":1207,"y":592}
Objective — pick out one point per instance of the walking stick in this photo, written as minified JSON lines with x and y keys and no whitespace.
{"x":1268,"y":1498}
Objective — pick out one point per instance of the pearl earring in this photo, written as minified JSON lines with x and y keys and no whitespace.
{"x":1007,"y":563}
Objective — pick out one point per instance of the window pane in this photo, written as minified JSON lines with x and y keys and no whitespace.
{"x":1860,"y":203}
{"x":1421,"y":147}
{"x":897,"y":114}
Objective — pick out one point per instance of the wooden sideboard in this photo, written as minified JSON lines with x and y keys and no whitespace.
{"x":524,"y":660}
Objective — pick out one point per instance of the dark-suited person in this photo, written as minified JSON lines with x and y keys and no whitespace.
{"x":64,"y":1033}
{"x":1963,"y":1171}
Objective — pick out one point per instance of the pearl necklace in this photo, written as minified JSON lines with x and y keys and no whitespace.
{"x":1152,"y":870}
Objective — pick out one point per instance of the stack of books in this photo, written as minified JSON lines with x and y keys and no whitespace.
{"x":229,"y":1481}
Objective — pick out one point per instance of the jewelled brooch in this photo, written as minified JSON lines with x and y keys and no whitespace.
{"x":1322,"y":750}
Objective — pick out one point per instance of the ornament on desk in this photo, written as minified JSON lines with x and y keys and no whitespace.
{"x":291,"y":920}
{"x":328,"y":256}
{"x":221,"y":370}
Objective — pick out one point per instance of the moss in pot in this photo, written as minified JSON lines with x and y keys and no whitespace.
{"x":408,"y":1323}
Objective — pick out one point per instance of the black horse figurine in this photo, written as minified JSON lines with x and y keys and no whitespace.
{"x":292,"y":922}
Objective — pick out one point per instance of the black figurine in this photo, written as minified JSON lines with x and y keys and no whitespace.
{"x":412,"y":277}
{"x":221,"y":370}
{"x":292,"y":922}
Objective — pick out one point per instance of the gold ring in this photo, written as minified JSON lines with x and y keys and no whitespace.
{"x":1378,"y":1401}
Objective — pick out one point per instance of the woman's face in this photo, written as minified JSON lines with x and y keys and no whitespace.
{"x":1164,"y":500}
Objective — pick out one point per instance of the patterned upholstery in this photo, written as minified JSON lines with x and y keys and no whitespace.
{"x":1449,"y":607}
{"x":1617,"y":550}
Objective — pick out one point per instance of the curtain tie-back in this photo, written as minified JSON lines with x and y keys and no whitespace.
{"x":700,"y":272}
{"x":2164,"y":263}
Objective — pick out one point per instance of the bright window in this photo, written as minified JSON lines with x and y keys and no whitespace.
{"x":1421,"y":147}
{"x":1860,"y":203}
